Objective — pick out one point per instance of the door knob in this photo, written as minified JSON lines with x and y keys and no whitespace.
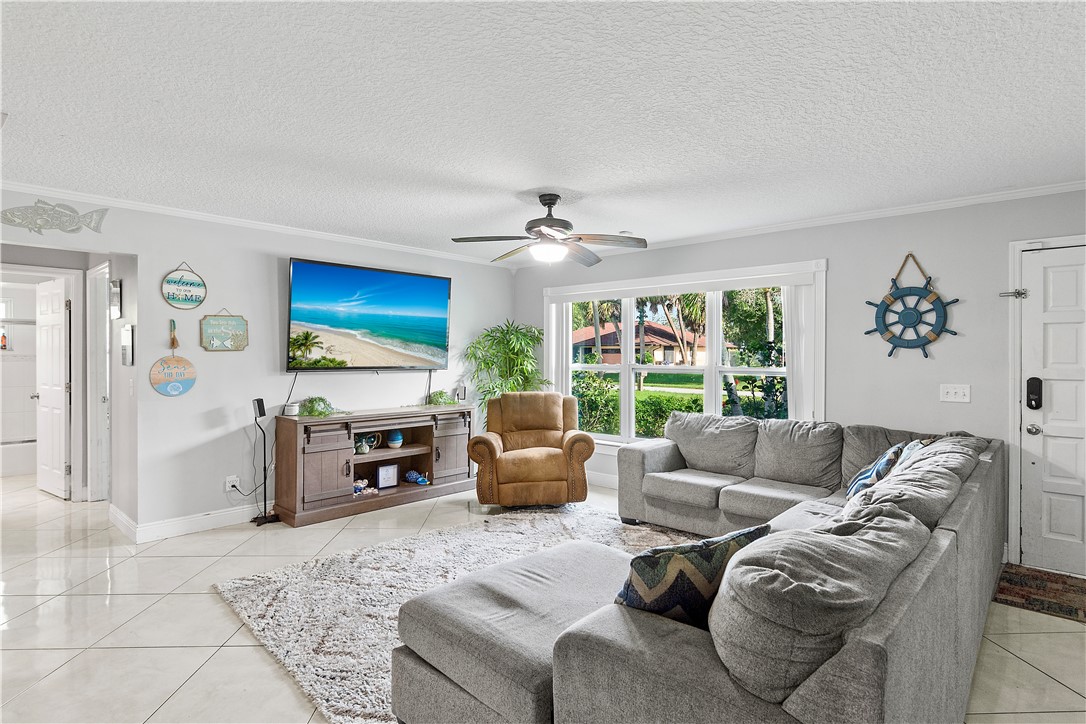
{"x":1033,"y":429}
{"x":34,"y":395}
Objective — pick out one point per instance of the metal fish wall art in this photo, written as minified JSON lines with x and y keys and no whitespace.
{"x":46,"y":216}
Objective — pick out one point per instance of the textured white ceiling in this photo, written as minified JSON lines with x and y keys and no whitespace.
{"x":414,"y":122}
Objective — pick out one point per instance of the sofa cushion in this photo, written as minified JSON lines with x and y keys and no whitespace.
{"x":681,"y":581}
{"x":927,"y":483}
{"x":763,"y":499}
{"x":492,"y":631}
{"x":531,"y":464}
{"x":787,"y":599}
{"x":958,"y":454}
{"x":799,"y":451}
{"x":805,"y":515}
{"x":690,"y":487}
{"x":863,"y":443}
{"x":875,"y":471}
{"x":717,"y":444}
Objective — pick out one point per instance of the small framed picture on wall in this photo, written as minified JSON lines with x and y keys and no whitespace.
{"x":128,"y":345}
{"x":388,"y":476}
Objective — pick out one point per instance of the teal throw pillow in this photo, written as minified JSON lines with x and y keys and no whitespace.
{"x":875,"y":471}
{"x":681,"y":581}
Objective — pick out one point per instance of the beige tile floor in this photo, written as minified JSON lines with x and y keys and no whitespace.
{"x":96,"y":629}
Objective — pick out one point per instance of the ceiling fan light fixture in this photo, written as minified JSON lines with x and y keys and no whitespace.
{"x":548,"y":251}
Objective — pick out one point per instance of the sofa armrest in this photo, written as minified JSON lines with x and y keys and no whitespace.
{"x":577,"y":447}
{"x":484,"y":451}
{"x":635,"y":461}
{"x":622,"y":664}
{"x":659,"y":455}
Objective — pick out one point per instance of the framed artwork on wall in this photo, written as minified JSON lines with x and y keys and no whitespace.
{"x":224,"y":333}
{"x":173,"y":376}
{"x":115,"y":299}
{"x":183,"y":288}
{"x":128,"y":345}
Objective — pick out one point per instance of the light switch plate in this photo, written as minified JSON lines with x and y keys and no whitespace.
{"x":953,"y":393}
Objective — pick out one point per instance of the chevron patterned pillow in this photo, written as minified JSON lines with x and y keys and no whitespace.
{"x":875,"y":471}
{"x":680,"y":582}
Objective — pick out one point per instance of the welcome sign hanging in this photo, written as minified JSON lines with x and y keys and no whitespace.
{"x":184,"y":288}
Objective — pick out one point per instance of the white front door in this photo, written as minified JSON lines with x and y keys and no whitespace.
{"x":53,"y":388}
{"x":1054,"y":426}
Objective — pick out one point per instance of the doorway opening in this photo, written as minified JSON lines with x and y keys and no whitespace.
{"x":50,"y":369}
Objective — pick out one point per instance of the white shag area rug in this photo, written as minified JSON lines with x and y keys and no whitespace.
{"x":332,"y":622}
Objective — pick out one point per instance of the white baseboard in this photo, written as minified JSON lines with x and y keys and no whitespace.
{"x":604,"y":480}
{"x":124,"y":524}
{"x":172,"y":527}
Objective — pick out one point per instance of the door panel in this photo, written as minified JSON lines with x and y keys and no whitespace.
{"x":52,"y":387}
{"x":1053,"y":438}
{"x":326,"y":477}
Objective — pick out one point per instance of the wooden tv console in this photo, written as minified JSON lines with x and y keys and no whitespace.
{"x":316,"y":464}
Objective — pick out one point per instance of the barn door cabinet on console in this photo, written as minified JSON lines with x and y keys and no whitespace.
{"x":316,"y":463}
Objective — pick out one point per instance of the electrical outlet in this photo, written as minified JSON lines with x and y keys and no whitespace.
{"x":953,"y":393}
{"x":230,"y":482}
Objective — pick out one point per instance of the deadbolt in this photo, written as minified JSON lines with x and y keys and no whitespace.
{"x":1033,"y":429}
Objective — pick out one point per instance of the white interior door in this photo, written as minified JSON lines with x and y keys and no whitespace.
{"x":98,"y":345}
{"x":1053,"y":428}
{"x":53,"y":388}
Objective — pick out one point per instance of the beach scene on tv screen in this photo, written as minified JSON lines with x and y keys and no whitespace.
{"x":342,"y":317}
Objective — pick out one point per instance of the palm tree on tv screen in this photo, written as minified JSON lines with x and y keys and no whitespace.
{"x":304,"y":343}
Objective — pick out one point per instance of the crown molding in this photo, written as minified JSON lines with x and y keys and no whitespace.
{"x":514,"y":266}
{"x":231,"y":221}
{"x":925,"y":207}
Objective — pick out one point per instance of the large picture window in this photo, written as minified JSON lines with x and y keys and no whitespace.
{"x":742,"y":342}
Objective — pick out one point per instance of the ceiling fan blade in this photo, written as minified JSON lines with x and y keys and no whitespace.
{"x":633,"y":242}
{"x":462,"y":239}
{"x":556,"y":234}
{"x":508,"y":254}
{"x":580,"y":254}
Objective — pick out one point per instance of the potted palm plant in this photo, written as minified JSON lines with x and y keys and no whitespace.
{"x":502,"y":359}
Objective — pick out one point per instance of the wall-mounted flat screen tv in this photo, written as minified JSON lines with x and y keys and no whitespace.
{"x":355,"y":318}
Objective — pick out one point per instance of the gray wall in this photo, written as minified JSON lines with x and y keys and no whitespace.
{"x":189,"y":445}
{"x":964,"y":249}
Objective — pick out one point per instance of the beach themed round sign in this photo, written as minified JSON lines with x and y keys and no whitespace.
{"x":183,"y":288}
{"x":173,"y":376}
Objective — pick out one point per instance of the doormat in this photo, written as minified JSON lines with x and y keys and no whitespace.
{"x":1056,"y":594}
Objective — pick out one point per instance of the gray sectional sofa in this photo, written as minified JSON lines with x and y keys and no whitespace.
{"x":866,"y":610}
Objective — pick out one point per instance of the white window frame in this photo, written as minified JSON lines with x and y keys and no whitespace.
{"x":803,"y":298}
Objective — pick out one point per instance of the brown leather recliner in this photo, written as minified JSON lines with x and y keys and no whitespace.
{"x":532,"y":452}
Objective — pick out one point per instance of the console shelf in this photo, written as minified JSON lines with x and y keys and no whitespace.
{"x":392,"y":453}
{"x":316,"y":464}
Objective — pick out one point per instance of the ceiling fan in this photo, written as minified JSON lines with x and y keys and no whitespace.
{"x":551,"y":239}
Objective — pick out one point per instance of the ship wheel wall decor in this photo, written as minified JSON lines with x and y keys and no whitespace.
{"x":910,"y":317}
